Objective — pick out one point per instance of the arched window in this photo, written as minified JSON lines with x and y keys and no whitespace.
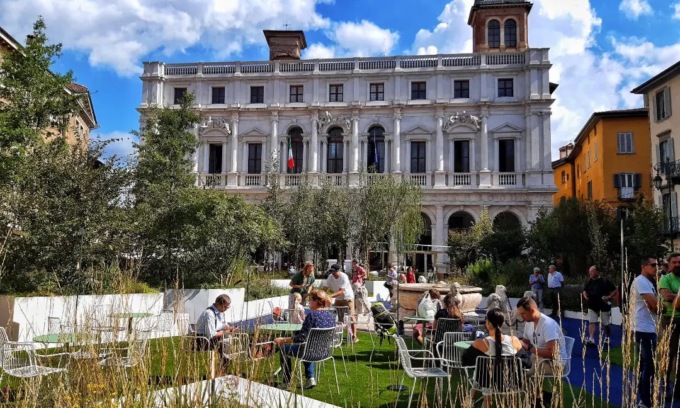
{"x":376,"y":150}
{"x":295,"y":135}
{"x":510,"y":33}
{"x":335,"y":151}
{"x":506,"y":221}
{"x":493,"y":37}
{"x":461,"y":220}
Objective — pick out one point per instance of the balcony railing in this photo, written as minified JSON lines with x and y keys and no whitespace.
{"x":448,"y":61}
{"x":333,"y":179}
{"x":460,"y":179}
{"x":419,"y":179}
{"x":670,"y":168}
{"x":672,"y":228}
{"x":210,"y":180}
{"x":293,"y":180}
{"x":253,"y":180}
{"x":508,"y":179}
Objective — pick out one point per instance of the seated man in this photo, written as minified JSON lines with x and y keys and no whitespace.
{"x":212,"y":325}
{"x":542,"y":337}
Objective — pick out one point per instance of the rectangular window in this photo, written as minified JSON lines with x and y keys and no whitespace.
{"x":590,"y":190}
{"x":564,"y":177}
{"x":254,"y":158}
{"x":257,"y":94}
{"x":625,"y":143}
{"x":662,"y":104}
{"x":215,"y":159}
{"x":377,"y":92}
{"x":506,"y":88}
{"x":595,"y":151}
{"x":296,"y":93}
{"x":335,"y":156}
{"x":588,"y":158}
{"x":218,"y":95}
{"x":461,"y":156}
{"x":335,"y":93}
{"x":627,"y":183}
{"x":179,"y":95}
{"x":418,"y":90}
{"x":418,"y":157}
{"x":506,"y":155}
{"x":461,"y":89}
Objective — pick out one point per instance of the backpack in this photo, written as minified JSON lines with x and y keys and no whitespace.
{"x":426,"y":307}
{"x":383,"y":320}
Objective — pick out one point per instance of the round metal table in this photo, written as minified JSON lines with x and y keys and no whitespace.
{"x":463,"y":344}
{"x":280,"y":327}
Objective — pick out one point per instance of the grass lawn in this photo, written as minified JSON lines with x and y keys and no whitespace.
{"x":365,"y":385}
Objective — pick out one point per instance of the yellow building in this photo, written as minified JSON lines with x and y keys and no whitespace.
{"x":81,"y":124}
{"x":608,"y":161}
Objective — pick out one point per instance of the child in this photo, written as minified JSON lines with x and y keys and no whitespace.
{"x":297,"y":314}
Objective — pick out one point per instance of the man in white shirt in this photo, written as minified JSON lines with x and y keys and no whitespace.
{"x":555,"y":283}
{"x":542,"y":338}
{"x":341,"y":291}
{"x":646,"y":302}
{"x":211,"y":323}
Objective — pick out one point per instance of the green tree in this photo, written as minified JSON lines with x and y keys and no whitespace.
{"x":468,"y":246}
{"x":36,"y":102}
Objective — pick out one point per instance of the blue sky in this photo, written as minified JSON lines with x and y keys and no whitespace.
{"x":600,"y":48}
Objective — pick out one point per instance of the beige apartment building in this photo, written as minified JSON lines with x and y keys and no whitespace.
{"x":661,"y":93}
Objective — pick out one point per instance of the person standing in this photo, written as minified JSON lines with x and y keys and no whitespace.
{"x":410,"y":275}
{"x":598,"y":293}
{"x":646,"y":302}
{"x":537,"y":282}
{"x":301,"y":283}
{"x":358,"y":285}
{"x":669,"y":284}
{"x":341,"y":291}
{"x":392,"y":277}
{"x":555,"y":283}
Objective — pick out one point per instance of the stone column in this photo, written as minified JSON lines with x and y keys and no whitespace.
{"x":305,"y":165}
{"x":396,"y":143}
{"x":224,"y":161}
{"x":485,"y":173}
{"x":206,"y":157}
{"x":244,"y":163}
{"x":439,"y":175}
{"x":232,"y":177}
{"x":314,"y":151}
{"x":438,"y":236}
{"x":355,"y":142}
{"x":324,"y":161}
{"x":275,"y":150}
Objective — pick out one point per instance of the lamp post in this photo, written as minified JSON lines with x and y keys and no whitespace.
{"x":658,"y":183}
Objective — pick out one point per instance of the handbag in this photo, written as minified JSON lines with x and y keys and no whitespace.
{"x":426,"y":307}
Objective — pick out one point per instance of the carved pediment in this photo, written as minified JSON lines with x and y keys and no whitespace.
{"x":327,"y":121}
{"x":418,"y":131}
{"x":212,"y":123}
{"x":462,"y":119}
{"x":254,"y":132}
{"x":506,"y":128}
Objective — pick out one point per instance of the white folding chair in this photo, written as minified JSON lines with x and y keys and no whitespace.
{"x":491,"y":380}
{"x":559,"y":370}
{"x":407,"y":357}
{"x":19,"y":360}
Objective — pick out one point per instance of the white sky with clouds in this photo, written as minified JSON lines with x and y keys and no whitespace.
{"x":600,"y":49}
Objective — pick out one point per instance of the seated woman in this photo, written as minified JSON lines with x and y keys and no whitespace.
{"x":319,"y":317}
{"x":449,"y":311}
{"x":495,"y":344}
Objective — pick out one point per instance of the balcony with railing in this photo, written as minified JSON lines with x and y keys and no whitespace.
{"x":344,"y":65}
{"x":462,"y":180}
{"x":671,"y":228}
{"x":508,"y":180}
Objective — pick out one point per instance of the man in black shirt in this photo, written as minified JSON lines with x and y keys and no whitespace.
{"x":598,"y":293}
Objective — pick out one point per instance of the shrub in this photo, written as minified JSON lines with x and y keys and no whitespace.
{"x":481,"y":271}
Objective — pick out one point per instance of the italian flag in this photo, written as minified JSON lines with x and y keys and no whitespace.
{"x":291,"y":159}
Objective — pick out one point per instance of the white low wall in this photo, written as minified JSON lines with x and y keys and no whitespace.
{"x":376,"y":290}
{"x":27,"y":317}
{"x":195,"y":301}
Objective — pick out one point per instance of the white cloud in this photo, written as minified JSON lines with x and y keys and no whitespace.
{"x":118,"y":34}
{"x":120,"y":144}
{"x":633,"y":9}
{"x":676,"y":11}
{"x":350,"y":39}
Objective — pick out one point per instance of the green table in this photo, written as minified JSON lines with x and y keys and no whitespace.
{"x":62,"y":338}
{"x":130,"y":316}
{"x":463,"y":344}
{"x":280,"y":327}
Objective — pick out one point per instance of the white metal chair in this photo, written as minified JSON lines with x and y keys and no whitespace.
{"x":450,"y":355}
{"x":444,"y":325}
{"x":19,"y":360}
{"x":407,"y":357}
{"x":317,"y":349}
{"x":4,"y":338}
{"x":338,"y":340}
{"x":559,"y":371}
{"x":124,"y":358}
{"x":491,"y":380}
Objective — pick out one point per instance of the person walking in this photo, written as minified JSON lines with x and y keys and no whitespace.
{"x":555,"y":283}
{"x":598,"y":293}
{"x":341,"y":291}
{"x":669,"y":285}
{"x":537,"y":282}
{"x":646,"y":303}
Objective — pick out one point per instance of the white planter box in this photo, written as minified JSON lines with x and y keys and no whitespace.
{"x":27,"y":317}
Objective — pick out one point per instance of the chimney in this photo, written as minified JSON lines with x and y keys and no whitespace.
{"x":285,"y":45}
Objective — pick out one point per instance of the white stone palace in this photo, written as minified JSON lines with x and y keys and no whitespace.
{"x":473,"y":130}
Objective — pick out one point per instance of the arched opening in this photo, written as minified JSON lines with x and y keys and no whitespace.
{"x":506,"y":221}
{"x":461,"y":220}
{"x":510,"y":33}
{"x":375,"y":160}
{"x":296,"y":147}
{"x":335,"y":151}
{"x":421,"y":259}
{"x":493,"y":38}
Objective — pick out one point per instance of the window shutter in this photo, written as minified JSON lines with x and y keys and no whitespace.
{"x":659,"y":159}
{"x":631,"y":148}
{"x":617,"y":181}
{"x":674,"y":204}
{"x":667,"y":102}
{"x":671,"y":150}
{"x":637,"y":182}
{"x":619,"y":143}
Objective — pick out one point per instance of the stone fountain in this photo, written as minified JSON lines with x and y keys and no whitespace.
{"x":408,"y":295}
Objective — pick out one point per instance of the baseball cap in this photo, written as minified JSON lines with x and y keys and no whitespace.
{"x":335,"y":267}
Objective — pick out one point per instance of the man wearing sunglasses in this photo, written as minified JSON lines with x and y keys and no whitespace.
{"x":646,"y":303}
